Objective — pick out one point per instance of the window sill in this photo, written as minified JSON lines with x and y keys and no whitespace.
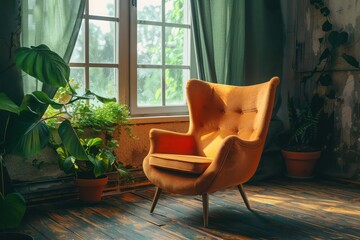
{"x":159,"y":119}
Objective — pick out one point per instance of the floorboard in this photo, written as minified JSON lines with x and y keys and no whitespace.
{"x":282,"y":209}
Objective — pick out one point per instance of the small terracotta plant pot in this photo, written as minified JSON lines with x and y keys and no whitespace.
{"x":91,"y":189}
{"x":300,"y":164}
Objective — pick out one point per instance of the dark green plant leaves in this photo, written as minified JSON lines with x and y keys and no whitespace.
{"x":350,"y":60}
{"x":325,"y":54}
{"x":68,"y":165}
{"x":338,"y":38}
{"x":327,"y":26}
{"x":32,"y":137}
{"x":124,"y":172}
{"x":70,"y":140}
{"x":43,"y":98}
{"x":100,"y":98}
{"x":43,"y":64}
{"x":99,"y":166}
{"x":12,"y":208}
{"x":325,"y":11}
{"x":94,"y":142}
{"x":7,"y":104}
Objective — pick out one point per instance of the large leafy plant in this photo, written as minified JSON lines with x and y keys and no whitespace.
{"x":32,"y":133}
{"x":26,"y":131}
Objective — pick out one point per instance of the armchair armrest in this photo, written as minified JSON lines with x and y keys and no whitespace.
{"x":235,"y":163}
{"x":163,"y":141}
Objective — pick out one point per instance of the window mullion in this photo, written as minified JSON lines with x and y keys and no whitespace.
{"x":87,"y":71}
{"x":163,"y":86}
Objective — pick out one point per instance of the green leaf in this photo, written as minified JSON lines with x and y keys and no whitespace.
{"x":338,"y":38}
{"x":325,"y":11}
{"x":7,"y":104}
{"x":325,"y":54}
{"x":350,"y":60}
{"x":327,"y":26}
{"x":12,"y":209}
{"x":43,"y":64}
{"x":108,"y":158}
{"x":31,"y":137}
{"x":100,"y":98}
{"x":333,"y":38}
{"x":343,"y":38}
{"x":68,"y":165}
{"x":99,"y":166}
{"x":123,"y":171}
{"x":71,"y":141}
{"x":94,"y":142}
{"x":43,"y":98}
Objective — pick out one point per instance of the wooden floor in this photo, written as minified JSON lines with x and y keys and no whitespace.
{"x":283,"y":209}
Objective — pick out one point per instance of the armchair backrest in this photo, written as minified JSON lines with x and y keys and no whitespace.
{"x":217,"y":111}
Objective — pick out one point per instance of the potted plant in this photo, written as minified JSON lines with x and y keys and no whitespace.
{"x":94,"y":125}
{"x":27,"y":131}
{"x":312,"y":122}
{"x":302,"y":146}
{"x":89,"y":169}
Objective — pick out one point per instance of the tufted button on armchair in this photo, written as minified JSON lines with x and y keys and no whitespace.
{"x":223,"y":146}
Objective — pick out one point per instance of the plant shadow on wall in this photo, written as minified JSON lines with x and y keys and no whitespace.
{"x":311,"y":117}
{"x":28,"y":129}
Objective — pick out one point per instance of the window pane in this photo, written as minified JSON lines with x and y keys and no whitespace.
{"x":103,"y":81}
{"x":177,"y":45}
{"x":77,"y":76}
{"x":148,"y":44}
{"x":102,"y":41}
{"x":105,"y":8}
{"x":149,"y":10}
{"x":175,"y":86}
{"x":149,"y":91}
{"x":78,"y":54}
{"x":177,"y":11}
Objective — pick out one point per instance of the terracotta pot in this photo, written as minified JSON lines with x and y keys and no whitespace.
{"x":91,"y":189}
{"x":300,"y":164}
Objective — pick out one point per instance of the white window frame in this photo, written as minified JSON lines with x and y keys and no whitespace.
{"x":156,"y":110}
{"x":126,"y":60}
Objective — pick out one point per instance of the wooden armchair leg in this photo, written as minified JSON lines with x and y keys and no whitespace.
{"x":205,"y":200}
{"x":156,"y":198}
{"x":243,"y":195}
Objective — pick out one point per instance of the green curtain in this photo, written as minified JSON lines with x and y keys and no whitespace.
{"x":239,"y":42}
{"x":218,"y":29}
{"x":55,"y":23}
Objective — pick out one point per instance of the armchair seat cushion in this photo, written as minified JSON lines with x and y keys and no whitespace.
{"x":182,"y":163}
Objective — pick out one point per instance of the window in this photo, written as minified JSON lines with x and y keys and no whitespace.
{"x":94,"y":62}
{"x":137,"y":51}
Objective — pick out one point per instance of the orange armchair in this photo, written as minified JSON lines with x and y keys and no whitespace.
{"x":223,"y":146}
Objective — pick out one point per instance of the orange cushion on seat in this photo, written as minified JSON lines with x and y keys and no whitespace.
{"x":183,"y":163}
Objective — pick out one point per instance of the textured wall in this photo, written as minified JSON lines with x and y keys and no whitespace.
{"x":342,"y":158}
{"x":133,"y":150}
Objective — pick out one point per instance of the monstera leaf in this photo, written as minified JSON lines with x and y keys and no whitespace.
{"x":7,"y":104}
{"x":43,"y":64}
{"x":28,"y":137}
{"x":71,"y":141}
{"x":12,"y":208}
